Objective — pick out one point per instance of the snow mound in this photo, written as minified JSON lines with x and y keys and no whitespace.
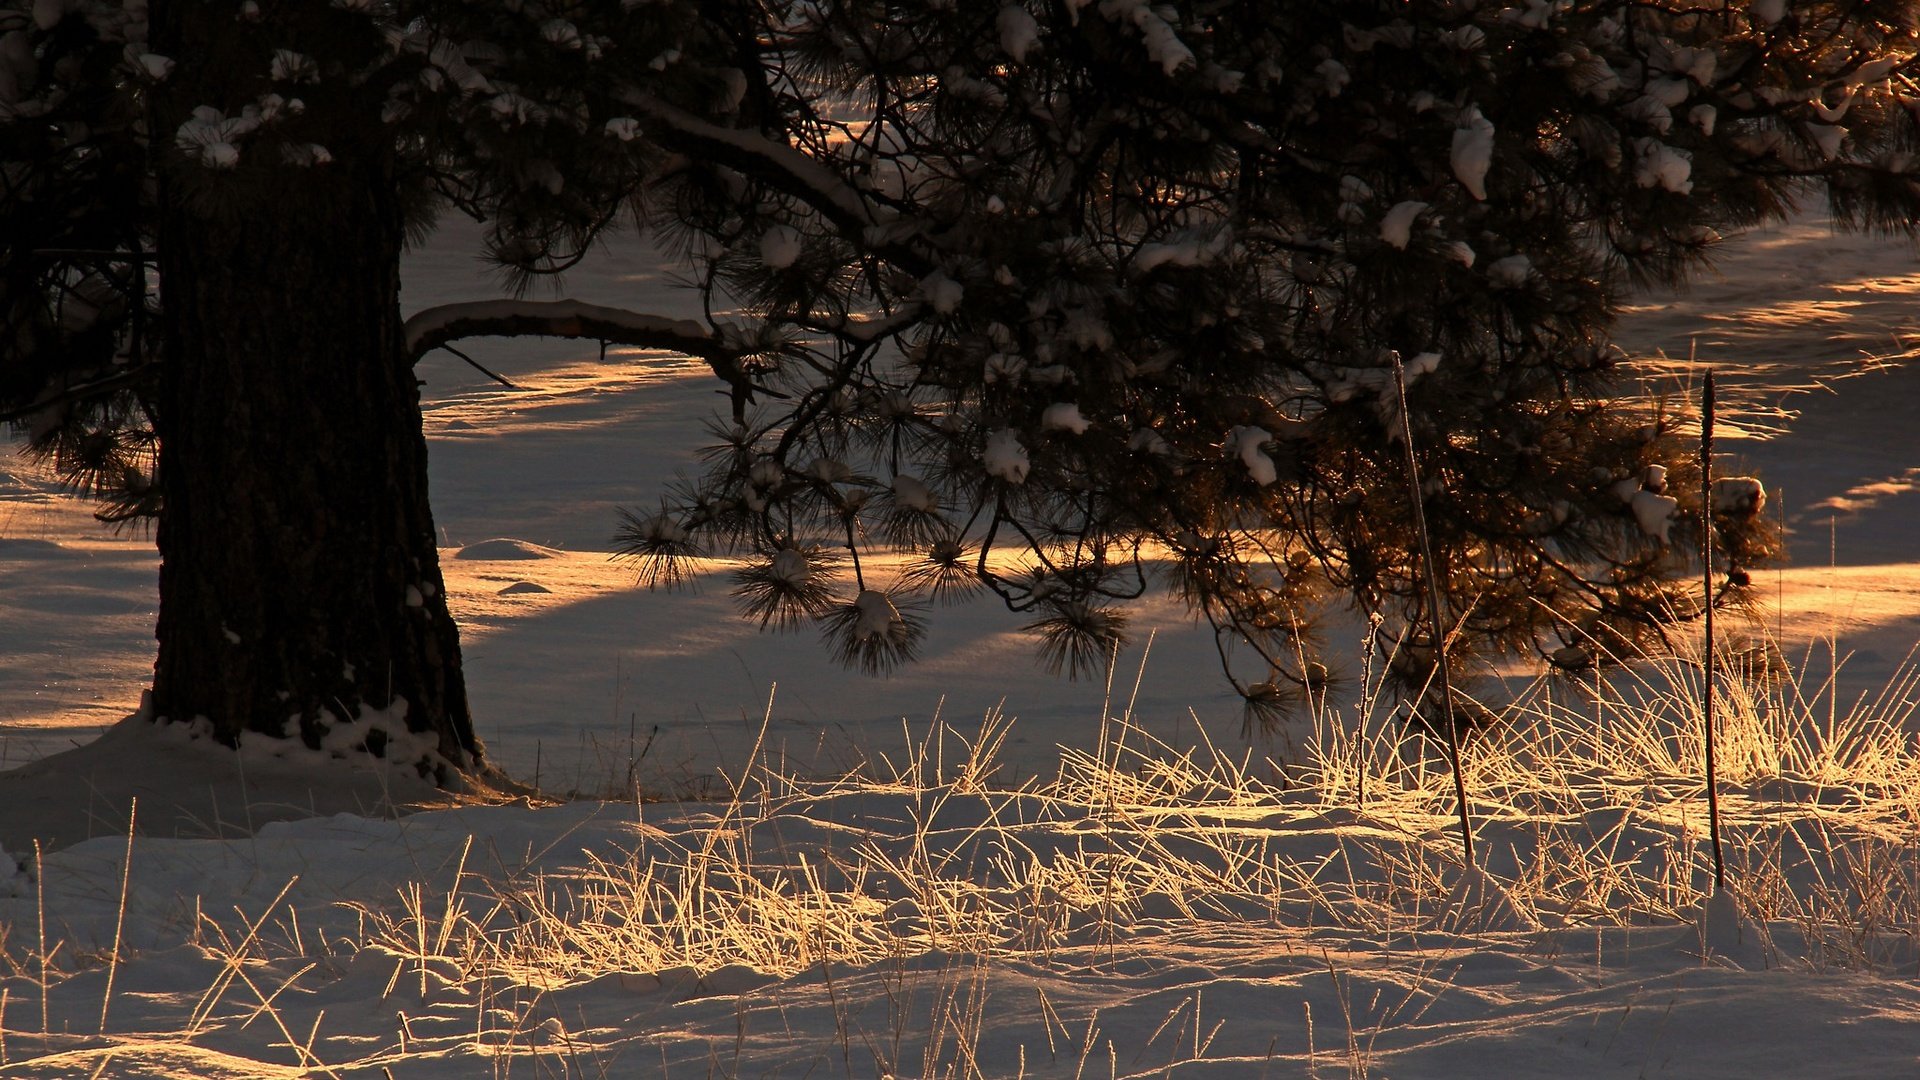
{"x":20,"y":548}
{"x":1726,"y":935}
{"x":523,"y":587}
{"x":501,"y":550}
{"x":1479,"y":903}
{"x":187,"y":784}
{"x":161,"y":1061}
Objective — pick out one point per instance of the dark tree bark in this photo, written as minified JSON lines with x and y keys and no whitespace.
{"x":300,"y":583}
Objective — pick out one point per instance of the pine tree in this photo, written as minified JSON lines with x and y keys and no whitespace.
{"x":1084,"y":299}
{"x":204,"y":210}
{"x":1079,"y":299}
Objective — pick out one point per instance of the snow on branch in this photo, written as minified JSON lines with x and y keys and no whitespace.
{"x":437,"y":326}
{"x":784,"y":167}
{"x":753,"y":152}
{"x":867,"y":330}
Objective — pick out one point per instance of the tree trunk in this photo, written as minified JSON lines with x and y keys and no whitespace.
{"x":300,"y":584}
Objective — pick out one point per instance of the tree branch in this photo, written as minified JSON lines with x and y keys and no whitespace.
{"x":786,"y":169}
{"x":124,"y":379}
{"x":439,"y":326}
{"x":436,"y":326}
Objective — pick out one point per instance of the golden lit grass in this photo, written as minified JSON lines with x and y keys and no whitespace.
{"x":1588,"y":798}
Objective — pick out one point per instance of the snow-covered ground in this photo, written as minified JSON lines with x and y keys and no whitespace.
{"x":925,"y":923}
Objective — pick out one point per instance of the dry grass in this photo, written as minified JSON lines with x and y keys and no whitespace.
{"x":1589,"y":800}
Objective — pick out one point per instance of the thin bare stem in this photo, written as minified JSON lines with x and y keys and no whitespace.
{"x":40,"y":906}
{"x":1435,"y":612}
{"x":480,"y":367}
{"x":120,"y":916}
{"x":1706,"y":571}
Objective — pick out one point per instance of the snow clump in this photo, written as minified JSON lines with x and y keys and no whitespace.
{"x":1006,"y":458}
{"x":291,"y":66}
{"x":1333,"y":75}
{"x":1149,"y":441}
{"x":1019,"y":34}
{"x":1654,"y":513}
{"x":942,"y":292}
{"x":780,"y":247}
{"x":1249,"y":443}
{"x":1396,"y":227}
{"x":791,"y":566}
{"x":1008,"y":366}
{"x":1511,"y":272}
{"x":561,"y":32}
{"x":305,"y":155}
{"x":213,"y":136}
{"x":829,"y":470}
{"x":1064,"y":416}
{"x":1189,"y":248}
{"x":1663,"y":165}
{"x":877,"y":618}
{"x":1827,"y":138}
{"x":1473,"y":152}
{"x":1164,"y":46}
{"x":1425,"y":363}
{"x":914,"y":494}
{"x":1738,"y":495}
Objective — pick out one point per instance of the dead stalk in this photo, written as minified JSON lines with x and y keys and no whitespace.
{"x":1435,"y":613}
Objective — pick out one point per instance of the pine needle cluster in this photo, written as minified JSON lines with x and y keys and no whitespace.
{"x":1085,"y":301}
{"x":1076,"y":301}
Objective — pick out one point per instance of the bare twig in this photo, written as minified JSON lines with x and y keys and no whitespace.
{"x":436,"y":327}
{"x":120,"y":916}
{"x":1706,"y":571}
{"x":1435,"y":613}
{"x":483,"y":369}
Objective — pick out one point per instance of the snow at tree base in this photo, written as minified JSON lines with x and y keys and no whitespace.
{"x":863,"y":875}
